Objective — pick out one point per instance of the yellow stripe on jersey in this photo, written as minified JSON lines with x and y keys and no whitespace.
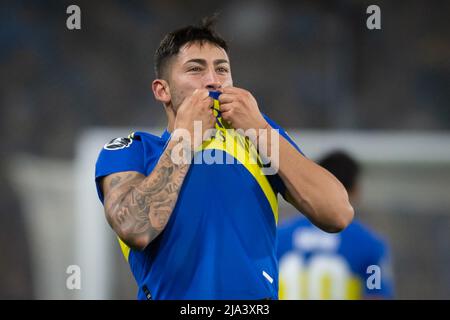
{"x":240,"y":148}
{"x":125,"y":249}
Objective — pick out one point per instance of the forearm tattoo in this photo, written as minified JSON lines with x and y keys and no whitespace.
{"x":147,"y":205}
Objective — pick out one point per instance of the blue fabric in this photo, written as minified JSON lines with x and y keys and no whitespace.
{"x":275,"y":180}
{"x":220,"y":241}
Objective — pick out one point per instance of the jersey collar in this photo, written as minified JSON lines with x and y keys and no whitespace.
{"x":165,"y":135}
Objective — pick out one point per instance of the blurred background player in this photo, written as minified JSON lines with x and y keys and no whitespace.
{"x":318,"y":265}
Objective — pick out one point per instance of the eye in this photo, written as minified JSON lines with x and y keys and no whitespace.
{"x":222,"y":69}
{"x":195,"y":69}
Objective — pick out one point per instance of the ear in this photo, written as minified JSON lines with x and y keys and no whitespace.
{"x":161,"y":90}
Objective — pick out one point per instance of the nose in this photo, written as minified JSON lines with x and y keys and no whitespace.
{"x":214,"y":86}
{"x":212,"y":82}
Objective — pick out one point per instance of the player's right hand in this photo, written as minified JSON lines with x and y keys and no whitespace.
{"x":196,"y":107}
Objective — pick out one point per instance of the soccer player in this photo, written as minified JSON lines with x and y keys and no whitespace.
{"x":354,"y":264}
{"x":196,"y":229}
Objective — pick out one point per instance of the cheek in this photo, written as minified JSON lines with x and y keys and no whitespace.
{"x":177,"y":97}
{"x":227,"y":81}
{"x":187,"y":85}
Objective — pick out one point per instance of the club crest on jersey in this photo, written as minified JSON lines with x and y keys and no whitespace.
{"x":118,"y":143}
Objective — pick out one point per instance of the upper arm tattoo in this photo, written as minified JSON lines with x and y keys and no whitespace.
{"x":136,"y":205}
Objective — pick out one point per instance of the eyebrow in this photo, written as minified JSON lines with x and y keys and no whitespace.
{"x":203,"y":61}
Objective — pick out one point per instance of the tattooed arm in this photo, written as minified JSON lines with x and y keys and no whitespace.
{"x":138,"y":207}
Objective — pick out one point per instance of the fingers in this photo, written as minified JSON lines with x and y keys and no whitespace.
{"x":233,"y":94}
{"x":224,"y":107}
{"x":205,"y":102}
{"x":227,"y":98}
{"x":232,"y":90}
{"x":227,"y":115}
{"x":228,"y":101}
{"x":201,"y":94}
{"x":201,"y":97}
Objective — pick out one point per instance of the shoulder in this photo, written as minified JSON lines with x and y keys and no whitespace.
{"x":130,"y":153}
{"x":282,"y":132}
{"x":136,"y":142}
{"x":363,"y":234}
{"x":121,"y":146}
{"x":272,"y":123}
{"x":146,"y":137}
{"x":133,"y":153}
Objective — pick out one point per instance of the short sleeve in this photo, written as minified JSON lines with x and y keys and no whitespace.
{"x":119,"y":155}
{"x":282,"y":132}
{"x":275,"y":180}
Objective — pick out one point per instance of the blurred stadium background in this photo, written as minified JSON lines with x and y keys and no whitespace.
{"x":314,"y":67}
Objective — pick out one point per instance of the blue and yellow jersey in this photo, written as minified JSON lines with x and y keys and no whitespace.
{"x":220,"y":241}
{"x":314,"y":264}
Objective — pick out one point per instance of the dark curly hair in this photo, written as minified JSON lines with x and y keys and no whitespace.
{"x":172,"y":42}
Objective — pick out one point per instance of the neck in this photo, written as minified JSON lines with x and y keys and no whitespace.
{"x":170,"y":117}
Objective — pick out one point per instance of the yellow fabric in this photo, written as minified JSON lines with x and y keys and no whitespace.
{"x":353,"y":288}
{"x":125,"y":249}
{"x":241,"y":149}
{"x":244,"y":151}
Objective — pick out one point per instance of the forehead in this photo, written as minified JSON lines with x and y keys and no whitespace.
{"x":197,"y":50}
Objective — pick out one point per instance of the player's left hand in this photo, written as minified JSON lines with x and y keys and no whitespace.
{"x":240,"y":109}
